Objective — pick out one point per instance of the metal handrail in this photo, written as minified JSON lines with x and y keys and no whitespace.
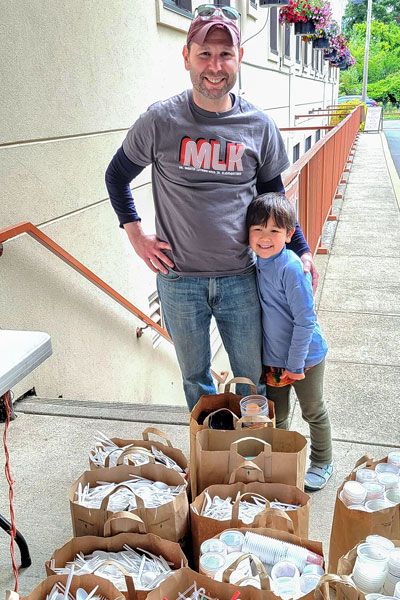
{"x":13,"y":231}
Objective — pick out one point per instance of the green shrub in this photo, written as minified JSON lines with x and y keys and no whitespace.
{"x":345,"y":109}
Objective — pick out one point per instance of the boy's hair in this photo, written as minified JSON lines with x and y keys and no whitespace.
{"x":272,"y":204}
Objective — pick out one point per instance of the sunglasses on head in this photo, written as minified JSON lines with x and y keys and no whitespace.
{"x":206,"y":11}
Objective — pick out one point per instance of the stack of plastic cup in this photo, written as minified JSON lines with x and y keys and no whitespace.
{"x":394,"y":458}
{"x":254,"y":406}
{"x":392,"y":495}
{"x":233,"y":540}
{"x":211,"y":562}
{"x":393,"y":575}
{"x":380,"y":541}
{"x":387,"y":468}
{"x":308,"y":582}
{"x":396,"y":592}
{"x":285,"y":579}
{"x":370,"y":568}
{"x":353,"y":493}
{"x":380,"y":504}
{"x":388,"y":479}
{"x":363,"y":475}
{"x":375,"y":490}
{"x":213,"y":545}
{"x":271,"y":551}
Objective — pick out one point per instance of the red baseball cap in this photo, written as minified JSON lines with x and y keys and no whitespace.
{"x":200,"y":27}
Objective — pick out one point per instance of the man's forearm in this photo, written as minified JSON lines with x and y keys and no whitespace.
{"x":120,"y":172}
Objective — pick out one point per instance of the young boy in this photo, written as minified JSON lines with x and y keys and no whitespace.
{"x":294,"y":348}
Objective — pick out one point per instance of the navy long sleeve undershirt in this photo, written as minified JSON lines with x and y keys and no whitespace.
{"x":121,"y":171}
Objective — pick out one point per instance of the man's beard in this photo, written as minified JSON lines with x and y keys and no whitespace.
{"x":214,"y":94}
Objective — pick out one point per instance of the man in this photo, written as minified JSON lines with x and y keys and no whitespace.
{"x":210,"y":152}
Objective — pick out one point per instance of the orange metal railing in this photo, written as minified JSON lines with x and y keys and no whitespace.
{"x":313,"y":180}
{"x":13,"y":231}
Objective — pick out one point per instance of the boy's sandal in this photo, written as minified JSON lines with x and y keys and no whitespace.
{"x":317,"y":477}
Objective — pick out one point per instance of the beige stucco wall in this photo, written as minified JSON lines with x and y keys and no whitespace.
{"x":75,"y":75}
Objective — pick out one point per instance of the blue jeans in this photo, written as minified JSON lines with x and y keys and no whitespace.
{"x":188,"y":304}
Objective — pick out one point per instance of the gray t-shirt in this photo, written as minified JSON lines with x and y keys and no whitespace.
{"x":204,"y":169}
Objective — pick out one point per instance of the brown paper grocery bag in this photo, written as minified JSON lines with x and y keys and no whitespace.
{"x":279,"y":453}
{"x":203,"y":528}
{"x":180,"y":581}
{"x":171,"y":551}
{"x":284,"y":536}
{"x":208,"y":404}
{"x":165,"y":446}
{"x":343,"y":587}
{"x":86,"y":582}
{"x":349,"y":527}
{"x":169,"y":521}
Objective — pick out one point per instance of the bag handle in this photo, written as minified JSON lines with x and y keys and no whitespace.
{"x":135,"y":450}
{"x":129,"y":448}
{"x":264,"y":578}
{"x":365,"y":460}
{"x":130,"y":586}
{"x":250,"y":466}
{"x":261,"y":419}
{"x":253,"y":387}
{"x":264,"y":446}
{"x":236,"y":506}
{"x":207,"y":419}
{"x":330,"y":580}
{"x":274,"y":518}
{"x":104,"y":502}
{"x":129,"y":522}
{"x":158,"y":432}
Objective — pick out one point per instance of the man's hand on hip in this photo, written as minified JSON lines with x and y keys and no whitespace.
{"x":149,"y":248}
{"x":309,"y":267}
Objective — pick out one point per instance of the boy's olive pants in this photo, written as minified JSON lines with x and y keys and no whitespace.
{"x":309,"y":392}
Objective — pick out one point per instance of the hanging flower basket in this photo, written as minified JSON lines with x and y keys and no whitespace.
{"x":321,"y":42}
{"x":304,"y":28}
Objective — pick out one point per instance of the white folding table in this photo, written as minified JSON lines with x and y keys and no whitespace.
{"x":20,"y":353}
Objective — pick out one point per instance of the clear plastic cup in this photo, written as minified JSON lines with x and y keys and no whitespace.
{"x":380,"y":541}
{"x":213,"y":545}
{"x":373,"y":555}
{"x":392,"y":495}
{"x":363,"y":475}
{"x":394,"y":562}
{"x":313,"y":570}
{"x":284,"y":568}
{"x":353,"y":492}
{"x":286,"y":587}
{"x":375,"y":490}
{"x":254,"y":406}
{"x":387,"y":468}
{"x":233,"y":540}
{"x":394,"y":458}
{"x":211,"y":562}
{"x":374,"y":596}
{"x":396,"y":592}
{"x":374,"y":505}
{"x":389,"y":480}
{"x":308,"y":582}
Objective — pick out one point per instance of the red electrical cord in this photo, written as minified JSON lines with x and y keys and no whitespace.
{"x":7,"y":469}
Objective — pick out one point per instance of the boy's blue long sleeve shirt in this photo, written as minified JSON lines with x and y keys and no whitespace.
{"x":292,"y":337}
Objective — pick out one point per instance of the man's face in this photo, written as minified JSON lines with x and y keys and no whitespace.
{"x":213,"y":65}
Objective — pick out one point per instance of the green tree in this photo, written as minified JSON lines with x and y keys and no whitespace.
{"x":384,"y":57}
{"x":385,"y":11}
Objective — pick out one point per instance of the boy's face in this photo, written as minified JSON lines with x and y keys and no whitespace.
{"x":268,"y":240}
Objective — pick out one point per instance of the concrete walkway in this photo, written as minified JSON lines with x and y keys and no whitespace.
{"x":359,"y":310}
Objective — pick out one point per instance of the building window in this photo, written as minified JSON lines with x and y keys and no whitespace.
{"x":222,"y":2}
{"x":181,"y":6}
{"x":296,"y":152}
{"x":155,"y":314}
{"x":253,"y":3}
{"x":317,"y":135}
{"x":298,"y":47}
{"x":307,"y":144}
{"x":287,"y":40}
{"x":273,"y":30}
